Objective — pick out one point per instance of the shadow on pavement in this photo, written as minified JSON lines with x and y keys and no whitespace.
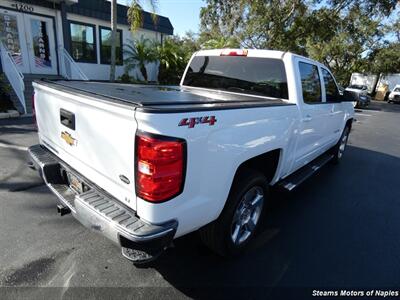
{"x":17,"y":121}
{"x":380,"y":106}
{"x":339,"y":229}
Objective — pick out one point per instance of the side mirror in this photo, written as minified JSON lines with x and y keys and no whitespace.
{"x":349,"y":96}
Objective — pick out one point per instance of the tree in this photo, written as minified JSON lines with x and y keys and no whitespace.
{"x":137,"y":53}
{"x":255,"y":24}
{"x":342,"y":41}
{"x":174,"y":55}
{"x":386,"y":59}
{"x":343,"y":34}
{"x":221,"y":42}
{"x":135,"y":18}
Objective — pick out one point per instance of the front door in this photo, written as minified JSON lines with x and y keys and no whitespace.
{"x":40,"y":44}
{"x":30,"y":41}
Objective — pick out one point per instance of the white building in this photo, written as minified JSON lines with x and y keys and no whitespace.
{"x":68,"y":38}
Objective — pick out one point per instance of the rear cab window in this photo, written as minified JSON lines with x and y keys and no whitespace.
{"x":310,"y":83}
{"x":241,"y":74}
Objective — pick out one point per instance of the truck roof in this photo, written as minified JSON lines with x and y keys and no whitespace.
{"x":161,"y":98}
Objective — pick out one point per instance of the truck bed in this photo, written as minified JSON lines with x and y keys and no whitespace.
{"x":161,"y":99}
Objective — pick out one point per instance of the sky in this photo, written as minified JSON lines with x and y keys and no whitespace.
{"x":183,"y":14}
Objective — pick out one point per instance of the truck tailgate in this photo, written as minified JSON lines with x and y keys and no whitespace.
{"x":94,"y":137}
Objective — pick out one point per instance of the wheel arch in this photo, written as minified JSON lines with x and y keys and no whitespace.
{"x":266,"y":163}
{"x":349,"y":123}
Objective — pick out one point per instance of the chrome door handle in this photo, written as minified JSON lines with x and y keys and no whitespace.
{"x":307,"y":118}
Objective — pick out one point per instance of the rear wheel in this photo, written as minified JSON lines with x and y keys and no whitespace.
{"x":340,"y":147}
{"x":238,"y":222}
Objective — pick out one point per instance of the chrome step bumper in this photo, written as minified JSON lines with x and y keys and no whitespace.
{"x":99,"y":211}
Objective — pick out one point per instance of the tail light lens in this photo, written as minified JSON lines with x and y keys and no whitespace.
{"x":160,"y":167}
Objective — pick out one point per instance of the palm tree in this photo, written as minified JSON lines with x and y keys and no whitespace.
{"x":137,"y":53}
{"x":135,"y":18}
{"x":168,"y":54}
{"x":171,"y":59}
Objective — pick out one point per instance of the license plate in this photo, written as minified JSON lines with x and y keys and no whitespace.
{"x":75,"y":183}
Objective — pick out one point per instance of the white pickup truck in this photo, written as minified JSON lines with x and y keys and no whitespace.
{"x":144,"y":164}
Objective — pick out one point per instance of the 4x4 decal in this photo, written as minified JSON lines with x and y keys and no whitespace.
{"x":191,"y":122}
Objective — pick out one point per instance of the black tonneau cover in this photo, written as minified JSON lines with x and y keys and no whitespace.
{"x":159,"y":98}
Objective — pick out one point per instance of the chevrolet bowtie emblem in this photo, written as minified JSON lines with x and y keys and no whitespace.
{"x":67,"y":137}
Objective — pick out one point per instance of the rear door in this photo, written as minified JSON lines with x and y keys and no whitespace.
{"x":93,"y":136}
{"x":314,"y":113}
{"x":331,"y":95}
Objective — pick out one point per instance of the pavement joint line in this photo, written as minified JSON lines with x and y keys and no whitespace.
{"x":365,"y":115}
{"x":15,"y":147}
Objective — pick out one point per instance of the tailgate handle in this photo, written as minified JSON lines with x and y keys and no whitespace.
{"x":67,"y":118}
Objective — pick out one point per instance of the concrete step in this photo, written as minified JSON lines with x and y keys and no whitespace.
{"x":14,"y":98}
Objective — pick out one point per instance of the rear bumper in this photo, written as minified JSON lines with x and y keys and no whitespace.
{"x":99,"y":211}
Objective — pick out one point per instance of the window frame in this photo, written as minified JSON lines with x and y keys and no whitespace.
{"x":94,"y":61}
{"x":100,"y":46}
{"x":334,"y":80}
{"x":322,"y":99}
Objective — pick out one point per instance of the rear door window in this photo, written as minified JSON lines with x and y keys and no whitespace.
{"x":310,"y":83}
{"x":331,"y":89}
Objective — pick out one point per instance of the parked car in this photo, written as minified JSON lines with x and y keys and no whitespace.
{"x":363,"y":99}
{"x":143,"y":165}
{"x":394,"y":96}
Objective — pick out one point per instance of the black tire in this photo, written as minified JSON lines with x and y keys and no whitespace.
{"x":218,"y":234}
{"x":337,"y":150}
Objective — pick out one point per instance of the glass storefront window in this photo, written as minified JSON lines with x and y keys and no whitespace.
{"x":83,"y":42}
{"x":105,"y":46}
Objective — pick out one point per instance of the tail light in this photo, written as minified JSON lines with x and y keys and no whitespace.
{"x":160,"y":167}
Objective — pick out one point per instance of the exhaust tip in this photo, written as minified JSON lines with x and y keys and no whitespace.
{"x":63,"y":210}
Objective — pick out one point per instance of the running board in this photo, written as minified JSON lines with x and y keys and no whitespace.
{"x":298,"y":177}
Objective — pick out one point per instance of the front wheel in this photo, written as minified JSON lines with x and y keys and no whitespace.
{"x":340,"y":147}
{"x":237,"y":224}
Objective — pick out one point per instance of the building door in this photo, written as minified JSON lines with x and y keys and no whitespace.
{"x":40,"y":44}
{"x":13,"y":38}
{"x":30,"y":41}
